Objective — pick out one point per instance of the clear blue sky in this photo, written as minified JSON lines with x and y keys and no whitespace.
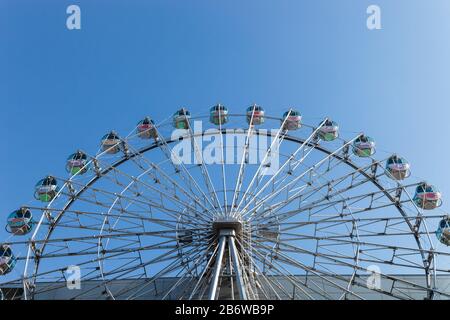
{"x":61,"y":90}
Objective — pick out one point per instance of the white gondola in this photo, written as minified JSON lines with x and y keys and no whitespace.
{"x":20,"y":222}
{"x":111,"y":143}
{"x":427,"y":197}
{"x":77,"y":163}
{"x":292,"y":120}
{"x":364,"y":146}
{"x":443,"y":231}
{"x":180,"y":119}
{"x":46,"y":189}
{"x":146,"y":129}
{"x":7,"y":260}
{"x":329,"y":131}
{"x":398,"y":168}
{"x":218,"y":115}
{"x":256,"y":113}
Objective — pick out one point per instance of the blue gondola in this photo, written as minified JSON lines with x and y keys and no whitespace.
{"x":256,"y":113}
{"x":218,"y":114}
{"x":427,"y":197}
{"x":111,"y":143}
{"x":398,"y":168}
{"x":329,"y":131}
{"x":46,"y":189}
{"x":364,"y":146}
{"x":77,"y":163}
{"x":443,"y":231}
{"x":292,"y":120}
{"x":180,"y":119}
{"x":20,"y":222}
{"x":7,"y":260}
{"x":146,"y":129}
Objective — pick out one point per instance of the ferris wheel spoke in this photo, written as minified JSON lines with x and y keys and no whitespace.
{"x":361,"y":221}
{"x":204,"y":170}
{"x":372,"y":246}
{"x":222,"y":160}
{"x":326,"y":214}
{"x":281,"y":271}
{"x":199,"y":258}
{"x":128,"y":214}
{"x":207,"y":179}
{"x":164,"y":257}
{"x":326,"y":202}
{"x":327,"y":198}
{"x":110,"y":280}
{"x":314,"y":167}
{"x":88,"y":262}
{"x":202,"y":275}
{"x":57,"y":284}
{"x":321,"y":274}
{"x":279,"y":137}
{"x":133,"y":216}
{"x":150,"y":165}
{"x":331,"y":253}
{"x":261,"y":288}
{"x":303,"y":197}
{"x":276,"y":183}
{"x":360,"y":268}
{"x":167,"y":193}
{"x":160,"y":233}
{"x":367,"y":171}
{"x":118,"y":272}
{"x":135,"y":200}
{"x":240,"y":177}
{"x":159,"y":246}
{"x":180,"y":262}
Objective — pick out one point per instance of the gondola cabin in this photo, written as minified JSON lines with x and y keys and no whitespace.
{"x":20,"y":222}
{"x":329,"y":131}
{"x":77,"y":163}
{"x":398,"y":168}
{"x":364,"y":146}
{"x":111,"y":143}
{"x":46,"y":189}
{"x":292,"y":120}
{"x":146,"y":129}
{"x":255,"y":115}
{"x":443,"y":231}
{"x":7,"y":260}
{"x":180,"y":119}
{"x":427,"y":197}
{"x":218,"y":115}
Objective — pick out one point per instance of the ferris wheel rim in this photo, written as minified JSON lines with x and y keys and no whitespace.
{"x":223,"y":131}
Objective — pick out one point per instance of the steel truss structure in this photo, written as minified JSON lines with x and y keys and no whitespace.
{"x":232,"y":231}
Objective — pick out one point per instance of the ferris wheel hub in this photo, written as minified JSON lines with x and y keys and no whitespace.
{"x":230,"y":225}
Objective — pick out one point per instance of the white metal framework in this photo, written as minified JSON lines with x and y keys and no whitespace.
{"x":326,"y":214}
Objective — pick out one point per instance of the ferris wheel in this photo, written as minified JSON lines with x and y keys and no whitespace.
{"x":230,"y":206}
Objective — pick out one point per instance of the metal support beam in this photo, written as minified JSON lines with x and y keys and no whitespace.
{"x":237,"y":270}
{"x":217,"y":269}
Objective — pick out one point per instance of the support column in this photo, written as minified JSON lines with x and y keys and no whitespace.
{"x":217,"y":269}
{"x":237,"y":269}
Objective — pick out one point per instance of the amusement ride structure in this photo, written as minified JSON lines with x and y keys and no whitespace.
{"x":316,"y":217}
